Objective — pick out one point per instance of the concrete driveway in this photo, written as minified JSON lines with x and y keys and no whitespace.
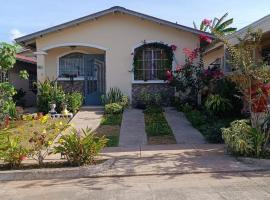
{"x":206,"y":186}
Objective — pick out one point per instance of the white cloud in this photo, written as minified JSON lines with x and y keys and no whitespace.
{"x":15,"y":33}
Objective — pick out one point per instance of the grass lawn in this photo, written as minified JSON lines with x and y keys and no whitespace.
{"x":157,"y":128}
{"x":110,"y":127}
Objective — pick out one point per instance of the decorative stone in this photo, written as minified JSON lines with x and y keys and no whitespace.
{"x":166,"y":91}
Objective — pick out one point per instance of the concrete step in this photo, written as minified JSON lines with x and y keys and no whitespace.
{"x":93,"y":108}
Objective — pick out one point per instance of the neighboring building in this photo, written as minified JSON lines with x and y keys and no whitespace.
{"x":95,"y":53}
{"x":217,"y":54}
{"x":25,"y":60}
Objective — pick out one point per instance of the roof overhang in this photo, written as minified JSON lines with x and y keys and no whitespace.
{"x":29,"y":40}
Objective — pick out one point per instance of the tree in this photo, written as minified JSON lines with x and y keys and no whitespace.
{"x":7,"y":91}
{"x":250,"y":75}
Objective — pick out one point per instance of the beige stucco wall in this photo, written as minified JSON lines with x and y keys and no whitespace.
{"x":118,"y":34}
{"x":211,"y":56}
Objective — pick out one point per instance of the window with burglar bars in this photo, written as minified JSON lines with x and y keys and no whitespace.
{"x":71,"y":64}
{"x":151,"y":65}
{"x":3,"y":77}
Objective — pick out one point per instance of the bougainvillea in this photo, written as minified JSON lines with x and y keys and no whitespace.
{"x":207,"y":22}
{"x":205,"y":38}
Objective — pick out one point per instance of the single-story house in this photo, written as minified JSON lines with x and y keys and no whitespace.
{"x":116,"y":47}
{"x":26,"y":89}
{"x":217,"y":54}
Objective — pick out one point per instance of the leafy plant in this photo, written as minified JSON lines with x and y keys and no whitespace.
{"x":217,"y":105}
{"x":113,"y":96}
{"x":49,"y":93}
{"x":42,"y":140}
{"x":12,"y":151}
{"x":74,"y":101}
{"x":113,"y":108}
{"x":80,"y":147}
{"x":147,"y":99}
{"x":242,"y":139}
{"x":18,"y":98}
{"x":7,"y":91}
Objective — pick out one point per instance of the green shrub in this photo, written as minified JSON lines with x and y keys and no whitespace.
{"x":124,"y":101}
{"x":49,"y":93}
{"x":111,"y":119}
{"x":113,"y":108}
{"x":196,"y":118}
{"x":241,"y":139}
{"x":186,"y":108}
{"x":74,"y":101}
{"x":147,"y":99}
{"x":217,"y":105}
{"x":80,"y":148}
{"x":7,"y":91}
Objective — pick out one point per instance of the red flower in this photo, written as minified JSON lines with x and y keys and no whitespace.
{"x":173,"y":47}
{"x":205,"y":38}
{"x":207,"y":22}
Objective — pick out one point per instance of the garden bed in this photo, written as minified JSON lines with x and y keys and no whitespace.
{"x":110,"y":128}
{"x":157,"y":128}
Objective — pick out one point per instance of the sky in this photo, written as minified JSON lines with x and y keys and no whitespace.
{"x":21,"y":17}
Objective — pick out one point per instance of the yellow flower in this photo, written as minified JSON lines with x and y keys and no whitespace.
{"x":50,"y":142}
{"x":61,"y":141}
{"x":44,"y":131}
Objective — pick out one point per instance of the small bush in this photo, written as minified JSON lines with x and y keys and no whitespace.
{"x":80,"y":147}
{"x":113,"y":108}
{"x":111,"y":119}
{"x":241,"y":139}
{"x":12,"y":151}
{"x":49,"y":93}
{"x":74,"y":101}
{"x":217,"y":105}
{"x":147,"y":99}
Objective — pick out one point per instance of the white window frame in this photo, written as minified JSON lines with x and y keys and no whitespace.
{"x":152,"y":64}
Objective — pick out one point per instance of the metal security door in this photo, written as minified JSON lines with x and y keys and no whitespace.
{"x":94,"y":80}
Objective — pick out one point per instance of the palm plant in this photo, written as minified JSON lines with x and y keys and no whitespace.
{"x":223,"y":26}
{"x":220,"y":25}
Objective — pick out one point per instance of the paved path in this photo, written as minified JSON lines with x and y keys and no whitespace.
{"x":87,"y":117}
{"x":212,"y":186}
{"x":183,"y":131}
{"x":132,"y":131}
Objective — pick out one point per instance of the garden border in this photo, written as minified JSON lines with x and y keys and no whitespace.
{"x":55,"y":173}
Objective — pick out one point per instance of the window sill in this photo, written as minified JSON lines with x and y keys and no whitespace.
{"x":149,"y":82}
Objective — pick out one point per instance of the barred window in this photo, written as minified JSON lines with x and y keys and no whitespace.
{"x":3,"y":76}
{"x":71,"y":64}
{"x":151,"y":64}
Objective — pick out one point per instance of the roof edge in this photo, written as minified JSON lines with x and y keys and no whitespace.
{"x":40,"y":33}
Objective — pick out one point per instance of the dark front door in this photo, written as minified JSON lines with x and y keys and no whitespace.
{"x":94,"y":81}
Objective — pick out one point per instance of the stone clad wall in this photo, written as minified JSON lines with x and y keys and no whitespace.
{"x":67,"y":86}
{"x":165,"y":90}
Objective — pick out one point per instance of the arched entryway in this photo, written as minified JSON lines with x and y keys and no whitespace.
{"x":81,"y":69}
